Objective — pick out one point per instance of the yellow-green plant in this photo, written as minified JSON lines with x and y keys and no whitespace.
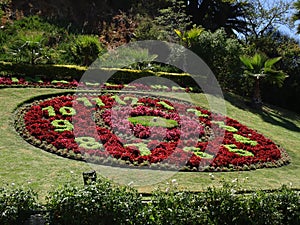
{"x":190,"y":36}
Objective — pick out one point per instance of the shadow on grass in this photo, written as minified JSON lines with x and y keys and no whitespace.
{"x":270,"y":114}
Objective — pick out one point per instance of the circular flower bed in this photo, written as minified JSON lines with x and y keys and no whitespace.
{"x":145,"y":132}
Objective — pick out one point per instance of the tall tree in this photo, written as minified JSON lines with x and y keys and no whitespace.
{"x":171,"y":18}
{"x":296,"y":16}
{"x":264,"y":16}
{"x":214,"y":14}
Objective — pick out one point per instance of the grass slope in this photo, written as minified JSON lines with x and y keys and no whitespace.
{"x":23,"y":164}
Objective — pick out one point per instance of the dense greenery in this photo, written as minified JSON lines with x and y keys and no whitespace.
{"x":104,"y":203}
{"x":16,"y":205}
{"x":208,"y":28}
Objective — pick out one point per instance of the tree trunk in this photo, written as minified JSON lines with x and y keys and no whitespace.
{"x":256,"y":100}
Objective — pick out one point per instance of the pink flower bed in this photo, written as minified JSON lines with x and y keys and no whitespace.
{"x":144,"y":132}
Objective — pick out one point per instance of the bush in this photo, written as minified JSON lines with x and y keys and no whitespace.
{"x":85,"y":49}
{"x":173,"y":208}
{"x":103,"y":203}
{"x":223,"y":206}
{"x":16,"y":205}
{"x":221,"y":54}
{"x":32,"y":40}
{"x":98,"y":203}
{"x":279,"y":207}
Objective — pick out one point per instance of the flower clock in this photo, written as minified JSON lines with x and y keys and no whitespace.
{"x":143,"y":131}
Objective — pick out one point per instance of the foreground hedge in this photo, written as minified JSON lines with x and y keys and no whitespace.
{"x":104,"y":203}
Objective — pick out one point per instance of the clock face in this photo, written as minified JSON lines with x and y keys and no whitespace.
{"x":144,"y":132}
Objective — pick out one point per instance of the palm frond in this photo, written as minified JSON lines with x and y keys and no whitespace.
{"x":258,"y":61}
{"x":270,"y":62}
{"x":275,"y":76}
{"x":247,"y":61}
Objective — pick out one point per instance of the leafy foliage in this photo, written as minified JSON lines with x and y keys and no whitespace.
{"x":102,"y":202}
{"x":16,"y":204}
{"x":98,"y":203}
{"x":171,"y":18}
{"x":85,"y":49}
{"x":220,"y":53}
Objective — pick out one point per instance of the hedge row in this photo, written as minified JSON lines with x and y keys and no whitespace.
{"x":104,"y":203}
{"x":70,"y":72}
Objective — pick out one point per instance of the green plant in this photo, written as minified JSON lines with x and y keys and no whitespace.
{"x":29,"y":47}
{"x":16,"y":204}
{"x":172,"y":17}
{"x":220,"y":53}
{"x":98,"y":203}
{"x":259,"y":67}
{"x":244,"y":140}
{"x":189,"y":37}
{"x":85,"y":49}
{"x":224,"y":206}
{"x":171,"y":206}
{"x":233,"y":148}
{"x":32,"y":40}
{"x":132,"y":58}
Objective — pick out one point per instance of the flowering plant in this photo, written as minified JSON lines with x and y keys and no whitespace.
{"x":144,"y":131}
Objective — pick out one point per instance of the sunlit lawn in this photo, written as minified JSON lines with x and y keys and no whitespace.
{"x":23,"y":164}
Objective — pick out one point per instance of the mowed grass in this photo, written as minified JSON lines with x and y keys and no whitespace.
{"x":25,"y":165}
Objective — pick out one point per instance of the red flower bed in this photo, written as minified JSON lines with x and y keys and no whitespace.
{"x":144,"y":131}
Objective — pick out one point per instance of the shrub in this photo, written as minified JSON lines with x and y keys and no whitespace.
{"x":32,"y":40}
{"x":16,"y":205}
{"x":103,"y":203}
{"x":173,"y":207}
{"x":221,"y":54}
{"x":97,"y":203}
{"x":223,"y":206}
{"x":279,"y":207}
{"x":85,"y":49}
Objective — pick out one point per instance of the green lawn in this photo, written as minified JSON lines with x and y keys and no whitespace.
{"x":23,"y":164}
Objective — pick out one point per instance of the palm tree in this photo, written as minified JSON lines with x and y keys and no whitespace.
{"x":259,"y":67}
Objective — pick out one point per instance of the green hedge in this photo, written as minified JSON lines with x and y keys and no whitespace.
{"x":70,"y":72}
{"x":104,"y":203}
{"x":50,"y":72}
